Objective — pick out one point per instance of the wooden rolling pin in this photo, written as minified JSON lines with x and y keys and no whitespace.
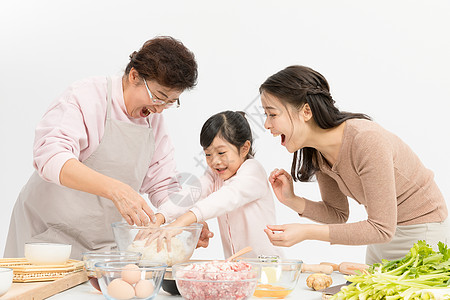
{"x":320,"y":268}
{"x":347,"y":268}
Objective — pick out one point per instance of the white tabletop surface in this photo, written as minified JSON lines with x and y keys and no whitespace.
{"x":86,"y":292}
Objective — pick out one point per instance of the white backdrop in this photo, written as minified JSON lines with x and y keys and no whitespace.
{"x":388,"y":59}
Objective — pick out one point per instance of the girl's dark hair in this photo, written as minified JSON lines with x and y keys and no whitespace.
{"x":230,"y":125}
{"x":167,"y":61}
{"x":297,"y":85}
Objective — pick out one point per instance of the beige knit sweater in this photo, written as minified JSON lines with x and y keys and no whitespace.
{"x":381,"y":172}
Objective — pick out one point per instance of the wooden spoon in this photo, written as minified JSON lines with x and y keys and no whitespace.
{"x":239,"y":253}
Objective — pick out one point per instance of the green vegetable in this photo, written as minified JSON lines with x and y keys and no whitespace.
{"x":405,"y":278}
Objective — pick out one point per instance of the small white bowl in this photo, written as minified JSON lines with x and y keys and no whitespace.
{"x":47,"y":253}
{"x":6,"y":279}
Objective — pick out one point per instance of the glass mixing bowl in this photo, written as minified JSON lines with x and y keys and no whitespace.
{"x":124,"y":280}
{"x":278,"y":277}
{"x":216,"y":280}
{"x":90,"y":258}
{"x":177,"y":243}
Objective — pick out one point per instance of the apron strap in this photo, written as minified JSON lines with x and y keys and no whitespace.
{"x":108,"y":97}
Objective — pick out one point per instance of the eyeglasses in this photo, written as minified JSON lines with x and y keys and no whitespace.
{"x":169,"y":104}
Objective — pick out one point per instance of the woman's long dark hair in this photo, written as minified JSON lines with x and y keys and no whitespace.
{"x":295,"y":86}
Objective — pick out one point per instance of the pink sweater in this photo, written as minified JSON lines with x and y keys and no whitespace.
{"x":381,"y":172}
{"x":243,"y":206}
{"x":73,"y":127}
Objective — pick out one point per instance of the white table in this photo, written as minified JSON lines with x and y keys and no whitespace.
{"x":86,"y":292}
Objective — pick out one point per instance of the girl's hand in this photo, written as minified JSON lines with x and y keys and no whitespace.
{"x":151,"y":232}
{"x":185,"y":219}
{"x":282,"y":186}
{"x":133,"y":208}
{"x":205,"y":235}
{"x":285,"y":235}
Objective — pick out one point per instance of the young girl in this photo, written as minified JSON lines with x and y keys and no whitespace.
{"x":234,"y":188}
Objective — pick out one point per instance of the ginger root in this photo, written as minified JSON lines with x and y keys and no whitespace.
{"x":318,"y":281}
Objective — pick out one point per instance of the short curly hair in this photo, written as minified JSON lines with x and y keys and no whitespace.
{"x":167,"y":61}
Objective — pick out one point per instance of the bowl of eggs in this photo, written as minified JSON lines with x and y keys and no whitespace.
{"x":168,"y":245}
{"x":90,"y":258}
{"x":124,"y":280}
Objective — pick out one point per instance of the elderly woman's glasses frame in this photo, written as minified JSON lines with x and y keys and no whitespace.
{"x":156,"y":101}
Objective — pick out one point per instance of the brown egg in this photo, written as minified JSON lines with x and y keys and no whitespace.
{"x":144,"y":288}
{"x":120,"y":289}
{"x":131,"y":274}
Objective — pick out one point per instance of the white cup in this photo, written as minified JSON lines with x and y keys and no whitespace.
{"x":6,"y":279}
{"x":47,"y":253}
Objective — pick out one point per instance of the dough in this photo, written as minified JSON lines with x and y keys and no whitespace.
{"x":176,"y":255}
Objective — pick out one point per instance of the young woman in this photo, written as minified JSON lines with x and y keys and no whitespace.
{"x":234,"y":188}
{"x":97,"y":146}
{"x":350,"y":156}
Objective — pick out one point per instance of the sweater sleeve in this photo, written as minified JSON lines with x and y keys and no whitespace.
{"x":246,"y":186}
{"x":180,"y":202}
{"x":59,"y":136}
{"x":334,"y":205}
{"x":207,"y":183}
{"x":374,"y":163}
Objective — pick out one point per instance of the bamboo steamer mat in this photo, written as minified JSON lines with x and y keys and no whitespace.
{"x":24,"y":271}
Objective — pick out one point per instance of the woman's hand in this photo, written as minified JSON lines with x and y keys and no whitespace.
{"x":130,"y":204}
{"x":133,"y":208}
{"x":151,"y":231}
{"x":282,"y":185}
{"x":285,"y":235}
{"x":283,"y":188}
{"x":290,"y":234}
{"x":160,"y":219}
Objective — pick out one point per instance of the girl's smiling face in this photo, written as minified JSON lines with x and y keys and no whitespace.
{"x":224,"y":158}
{"x":286,"y":122}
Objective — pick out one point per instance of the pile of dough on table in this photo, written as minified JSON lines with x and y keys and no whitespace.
{"x":178,"y":253}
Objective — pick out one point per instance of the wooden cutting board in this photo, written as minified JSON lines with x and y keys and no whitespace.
{"x":42,"y":290}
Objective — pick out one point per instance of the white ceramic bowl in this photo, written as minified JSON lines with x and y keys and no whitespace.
{"x":6,"y":279}
{"x":47,"y":253}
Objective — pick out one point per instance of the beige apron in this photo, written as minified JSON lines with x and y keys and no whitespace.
{"x":405,"y":237}
{"x":47,"y":212}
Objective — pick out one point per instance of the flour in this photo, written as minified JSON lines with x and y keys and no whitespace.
{"x":176,"y":255}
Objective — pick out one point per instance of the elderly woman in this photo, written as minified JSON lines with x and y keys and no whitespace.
{"x":98,"y":146}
